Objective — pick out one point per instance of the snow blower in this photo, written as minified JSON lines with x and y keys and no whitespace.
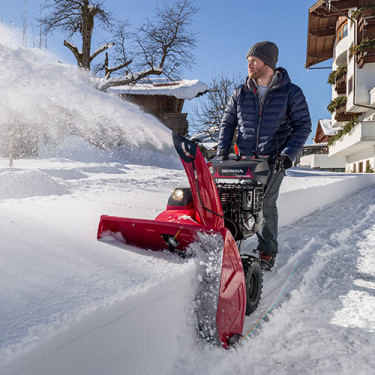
{"x":222,"y":207}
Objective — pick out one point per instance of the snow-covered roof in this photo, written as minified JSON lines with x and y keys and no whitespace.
{"x":184,"y":89}
{"x":316,"y":145}
{"x":327,"y":128}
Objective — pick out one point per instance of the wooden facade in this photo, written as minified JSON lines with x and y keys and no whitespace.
{"x":167,"y":109}
{"x":323,"y":25}
{"x":320,"y":136}
{"x":366,"y":30}
{"x":340,"y":85}
{"x":324,"y":131}
{"x":342,"y":116}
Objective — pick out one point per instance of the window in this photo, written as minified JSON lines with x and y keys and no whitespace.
{"x":368,"y":167}
{"x":342,"y":32}
{"x":350,"y":85}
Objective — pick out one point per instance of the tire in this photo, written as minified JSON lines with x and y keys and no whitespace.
{"x":253,"y":281}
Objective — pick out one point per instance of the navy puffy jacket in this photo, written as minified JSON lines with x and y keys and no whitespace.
{"x":281,"y":124}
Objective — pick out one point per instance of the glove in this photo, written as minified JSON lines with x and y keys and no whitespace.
{"x":224,"y":155}
{"x":285,"y":161}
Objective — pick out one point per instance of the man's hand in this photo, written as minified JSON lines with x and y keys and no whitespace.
{"x":285,"y":162}
{"x":224,"y":155}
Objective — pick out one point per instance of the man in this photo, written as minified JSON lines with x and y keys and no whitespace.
{"x":272,"y":118}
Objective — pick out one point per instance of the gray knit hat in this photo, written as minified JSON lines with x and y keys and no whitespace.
{"x":266,"y":51}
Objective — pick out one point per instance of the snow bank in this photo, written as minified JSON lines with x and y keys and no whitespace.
{"x":135,"y":334}
{"x":23,"y":184}
{"x":299,"y":203}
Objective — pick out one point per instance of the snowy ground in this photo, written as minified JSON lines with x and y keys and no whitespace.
{"x":77,"y":305}
{"x":70,"y":304}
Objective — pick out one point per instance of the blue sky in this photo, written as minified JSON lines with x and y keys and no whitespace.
{"x":227,"y":29}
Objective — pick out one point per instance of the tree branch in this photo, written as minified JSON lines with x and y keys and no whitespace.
{"x":77,"y":54}
{"x":109,"y":71}
{"x":129,"y":78}
{"x":101,"y":49}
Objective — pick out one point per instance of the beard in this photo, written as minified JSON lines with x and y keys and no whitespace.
{"x":258,"y":72}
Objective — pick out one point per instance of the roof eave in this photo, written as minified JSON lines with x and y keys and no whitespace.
{"x":321,"y":33}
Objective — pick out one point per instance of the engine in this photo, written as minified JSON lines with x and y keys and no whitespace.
{"x":241,"y":185}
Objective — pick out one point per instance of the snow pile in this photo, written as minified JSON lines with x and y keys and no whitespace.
{"x":22,"y":184}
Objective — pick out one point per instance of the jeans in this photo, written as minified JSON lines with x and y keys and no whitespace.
{"x":267,"y":234}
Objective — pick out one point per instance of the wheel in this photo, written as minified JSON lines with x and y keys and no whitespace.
{"x":253,"y":281}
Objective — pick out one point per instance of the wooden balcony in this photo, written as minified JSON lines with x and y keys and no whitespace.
{"x":364,"y":57}
{"x":342,"y":116}
{"x":340,"y":85}
{"x":366,"y":24}
{"x":366,"y":29}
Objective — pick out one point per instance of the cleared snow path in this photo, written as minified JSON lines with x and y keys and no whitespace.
{"x":324,"y":322}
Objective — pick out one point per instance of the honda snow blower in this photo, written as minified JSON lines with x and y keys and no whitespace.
{"x":222,"y":207}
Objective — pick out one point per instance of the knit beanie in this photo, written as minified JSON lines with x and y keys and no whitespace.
{"x":266,"y":51}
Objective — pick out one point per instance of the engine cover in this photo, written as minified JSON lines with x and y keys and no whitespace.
{"x":247,"y":168}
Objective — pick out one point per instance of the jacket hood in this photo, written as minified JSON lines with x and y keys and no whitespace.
{"x":282,"y":80}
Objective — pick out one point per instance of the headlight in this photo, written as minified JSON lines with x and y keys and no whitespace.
{"x":178,"y":195}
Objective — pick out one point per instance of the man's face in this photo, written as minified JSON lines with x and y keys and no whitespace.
{"x":256,"y":68}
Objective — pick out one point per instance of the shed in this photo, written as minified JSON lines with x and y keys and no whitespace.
{"x":163,"y":99}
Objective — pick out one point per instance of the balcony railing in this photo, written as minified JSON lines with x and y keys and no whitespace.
{"x":342,"y":116}
{"x":340,"y":85}
{"x":361,"y":137}
{"x":366,"y":31}
{"x":365,"y":57}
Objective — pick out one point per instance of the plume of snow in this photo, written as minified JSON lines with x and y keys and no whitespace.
{"x":55,"y":100}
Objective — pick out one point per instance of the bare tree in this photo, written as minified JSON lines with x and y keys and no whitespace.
{"x":207,"y":114}
{"x":122,"y":57}
{"x":167,"y":41}
{"x":77,"y":16}
{"x":164,"y":44}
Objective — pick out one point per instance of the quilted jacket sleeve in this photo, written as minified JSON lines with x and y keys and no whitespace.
{"x":228,"y":124}
{"x":300,"y":123}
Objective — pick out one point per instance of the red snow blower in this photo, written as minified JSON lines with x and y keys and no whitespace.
{"x":222,"y":207}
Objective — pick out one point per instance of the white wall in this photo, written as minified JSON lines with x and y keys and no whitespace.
{"x":322,"y":161}
{"x":362,"y":156}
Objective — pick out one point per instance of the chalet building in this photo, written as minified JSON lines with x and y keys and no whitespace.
{"x":163,"y":99}
{"x":324,"y":131}
{"x":344,"y":30}
{"x":315,"y":156}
